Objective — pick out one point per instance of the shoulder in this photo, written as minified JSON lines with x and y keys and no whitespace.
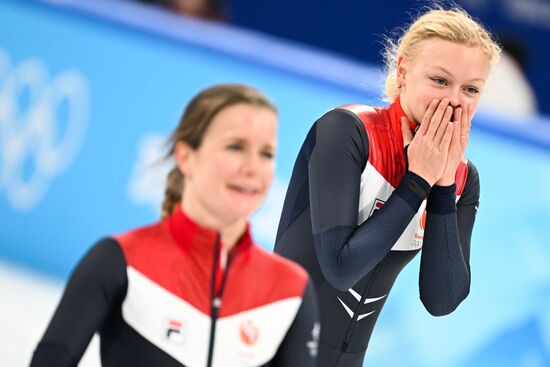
{"x":341,"y":129}
{"x":368,"y":116}
{"x":281,"y":270}
{"x":148,"y":248}
{"x":467,"y":180}
{"x":104,"y":264}
{"x":340,"y":121}
{"x":472,"y":170}
{"x":472,"y":182}
{"x":355,"y":119}
{"x":105,"y":253}
{"x":278,"y":265}
{"x":144,"y":235}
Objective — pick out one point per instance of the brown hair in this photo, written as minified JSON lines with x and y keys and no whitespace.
{"x":195,"y":121}
{"x":454,"y":25}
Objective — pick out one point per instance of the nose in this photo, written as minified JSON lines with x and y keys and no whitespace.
{"x":454,"y":98}
{"x":250,"y":164}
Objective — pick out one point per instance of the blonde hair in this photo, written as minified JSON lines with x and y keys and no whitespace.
{"x":454,"y":25}
{"x":194,"y":124}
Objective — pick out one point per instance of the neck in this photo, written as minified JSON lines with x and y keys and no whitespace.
{"x":405,"y":109}
{"x":230,"y":230}
{"x":230,"y":234}
{"x":412,"y":123}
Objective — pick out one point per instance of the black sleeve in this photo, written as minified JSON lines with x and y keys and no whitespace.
{"x":301,"y":343}
{"x":97,"y":284}
{"x":347,"y":252}
{"x":467,"y":207}
{"x":444,"y":268}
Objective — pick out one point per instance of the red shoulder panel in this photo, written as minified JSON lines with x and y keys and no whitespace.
{"x":461,"y":176}
{"x":259,"y":279}
{"x":154,"y":253}
{"x":385,"y":141}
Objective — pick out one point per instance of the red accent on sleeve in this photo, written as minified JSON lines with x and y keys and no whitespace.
{"x":461,"y":176}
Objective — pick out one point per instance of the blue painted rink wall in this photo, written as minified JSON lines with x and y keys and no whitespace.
{"x":87,"y":97}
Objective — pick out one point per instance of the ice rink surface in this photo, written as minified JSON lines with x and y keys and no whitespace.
{"x":26,"y":312}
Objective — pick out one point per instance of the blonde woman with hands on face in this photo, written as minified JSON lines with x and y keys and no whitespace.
{"x":372,"y":187}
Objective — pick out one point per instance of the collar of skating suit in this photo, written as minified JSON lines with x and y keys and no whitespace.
{"x":198,"y":240}
{"x":396,"y":113}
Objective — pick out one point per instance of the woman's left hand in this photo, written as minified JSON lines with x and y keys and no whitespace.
{"x":459,"y":142}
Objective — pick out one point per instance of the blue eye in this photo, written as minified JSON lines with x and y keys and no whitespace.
{"x":440,"y":81}
{"x":472,"y":90}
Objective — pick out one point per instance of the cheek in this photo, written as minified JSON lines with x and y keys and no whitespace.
{"x":429,"y":94}
{"x":269,"y":172}
{"x":423,"y":96}
{"x":424,"y":99}
{"x":225,"y":165}
{"x":420,"y":108}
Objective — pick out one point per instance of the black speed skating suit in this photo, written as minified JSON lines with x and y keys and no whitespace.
{"x":354,"y":217}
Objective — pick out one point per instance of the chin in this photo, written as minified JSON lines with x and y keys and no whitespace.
{"x":239,"y":211}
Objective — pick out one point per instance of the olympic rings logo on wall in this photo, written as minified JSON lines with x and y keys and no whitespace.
{"x":43,"y":122}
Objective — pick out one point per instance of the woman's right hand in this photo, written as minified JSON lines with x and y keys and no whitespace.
{"x":428,"y":149}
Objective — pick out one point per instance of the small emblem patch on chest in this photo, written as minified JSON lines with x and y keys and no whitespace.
{"x":175,"y":331}
{"x":248,"y":332}
{"x":378,"y":203}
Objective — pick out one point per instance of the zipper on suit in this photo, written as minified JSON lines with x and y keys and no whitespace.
{"x":215,"y":298}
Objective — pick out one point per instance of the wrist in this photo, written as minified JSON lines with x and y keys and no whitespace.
{"x":430,"y":180}
{"x":413,"y":189}
{"x":442,"y":199}
{"x":445,"y":181}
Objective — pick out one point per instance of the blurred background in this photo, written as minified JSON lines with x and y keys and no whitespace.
{"x":89,"y":91}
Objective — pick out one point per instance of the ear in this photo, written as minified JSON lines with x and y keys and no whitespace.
{"x":183,"y":155}
{"x":402,"y":68}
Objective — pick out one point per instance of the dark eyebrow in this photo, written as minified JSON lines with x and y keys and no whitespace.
{"x":239,"y":140}
{"x":451,"y":75}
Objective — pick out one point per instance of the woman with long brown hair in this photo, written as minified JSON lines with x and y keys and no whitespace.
{"x":194,"y":289}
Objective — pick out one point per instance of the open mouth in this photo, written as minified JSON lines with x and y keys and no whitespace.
{"x":244,"y":190}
